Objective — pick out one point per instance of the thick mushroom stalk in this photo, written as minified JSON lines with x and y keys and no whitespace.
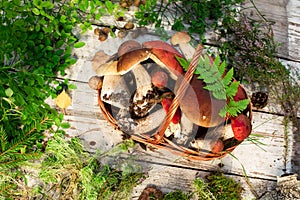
{"x":115,"y":91}
{"x":144,"y":97}
{"x":182,"y":39}
{"x":142,"y":125}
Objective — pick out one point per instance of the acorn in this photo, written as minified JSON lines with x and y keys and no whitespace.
{"x":124,"y":4}
{"x":102,"y":37}
{"x":122,"y":33}
{"x":106,"y":30}
{"x":97,"y":31}
{"x":129,"y":25}
{"x":137,"y":3}
{"x":95,"y":82}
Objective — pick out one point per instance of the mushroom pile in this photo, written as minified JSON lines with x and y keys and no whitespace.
{"x":140,"y":83}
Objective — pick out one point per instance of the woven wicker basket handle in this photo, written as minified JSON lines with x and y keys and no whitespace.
{"x":178,"y":97}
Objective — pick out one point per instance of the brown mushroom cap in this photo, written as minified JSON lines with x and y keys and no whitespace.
{"x":131,"y":59}
{"x":180,"y":37}
{"x":199,"y":105}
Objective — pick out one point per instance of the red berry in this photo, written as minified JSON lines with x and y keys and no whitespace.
{"x":240,"y":94}
{"x":241,"y":127}
{"x":166,"y":103}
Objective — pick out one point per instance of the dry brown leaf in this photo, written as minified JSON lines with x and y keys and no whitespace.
{"x":63,"y":100}
{"x":99,"y":58}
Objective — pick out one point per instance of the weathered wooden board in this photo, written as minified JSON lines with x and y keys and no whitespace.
{"x":286,"y":16}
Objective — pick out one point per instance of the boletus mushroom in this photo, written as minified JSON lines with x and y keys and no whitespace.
{"x":199,"y":105}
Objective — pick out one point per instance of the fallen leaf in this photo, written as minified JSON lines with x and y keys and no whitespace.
{"x":63,"y":100}
{"x":99,"y":58}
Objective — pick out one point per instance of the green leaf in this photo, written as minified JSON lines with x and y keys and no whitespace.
{"x":72,"y":86}
{"x":228,"y":77}
{"x":36,"y":11}
{"x":232,"y":89}
{"x":9,"y":92}
{"x":37,"y":28}
{"x":47,"y":4}
{"x":79,"y":44}
{"x":109,"y":6}
{"x":65,"y":125}
{"x":183,"y":62}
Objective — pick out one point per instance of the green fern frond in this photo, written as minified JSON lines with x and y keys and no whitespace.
{"x":228,"y":77}
{"x":221,"y":86}
{"x":232,"y":89}
{"x":236,"y":107}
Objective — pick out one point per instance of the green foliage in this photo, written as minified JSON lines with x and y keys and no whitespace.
{"x":178,"y":195}
{"x":36,"y":43}
{"x":202,"y":190}
{"x":193,"y":16}
{"x":223,"y":187}
{"x":221,"y":86}
{"x":72,"y":172}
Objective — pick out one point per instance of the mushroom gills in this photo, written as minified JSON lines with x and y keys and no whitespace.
{"x":109,"y":68}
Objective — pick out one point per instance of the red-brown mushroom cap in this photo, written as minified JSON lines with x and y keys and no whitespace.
{"x":158,"y":44}
{"x":167,"y":59}
{"x":164,"y":54}
{"x":199,"y":105}
{"x":131,"y":59}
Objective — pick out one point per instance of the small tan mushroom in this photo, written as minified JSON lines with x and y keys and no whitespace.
{"x":182,"y":39}
{"x":95,"y":82}
{"x":122,"y":33}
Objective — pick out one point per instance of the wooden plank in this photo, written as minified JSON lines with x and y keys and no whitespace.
{"x":286,"y":16}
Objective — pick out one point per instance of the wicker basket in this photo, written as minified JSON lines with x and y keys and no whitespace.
{"x":158,"y":141}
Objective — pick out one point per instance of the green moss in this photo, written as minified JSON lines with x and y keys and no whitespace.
{"x":223,"y":187}
{"x":178,"y":195}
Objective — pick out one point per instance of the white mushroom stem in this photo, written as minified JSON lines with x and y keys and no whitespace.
{"x":183,"y":40}
{"x":150,"y":123}
{"x":211,"y":137}
{"x":143,"y":82}
{"x":140,"y":126}
{"x":186,"y":134}
{"x":115,"y":91}
{"x":187,"y":50}
{"x":143,"y":90}
{"x":173,"y":129}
